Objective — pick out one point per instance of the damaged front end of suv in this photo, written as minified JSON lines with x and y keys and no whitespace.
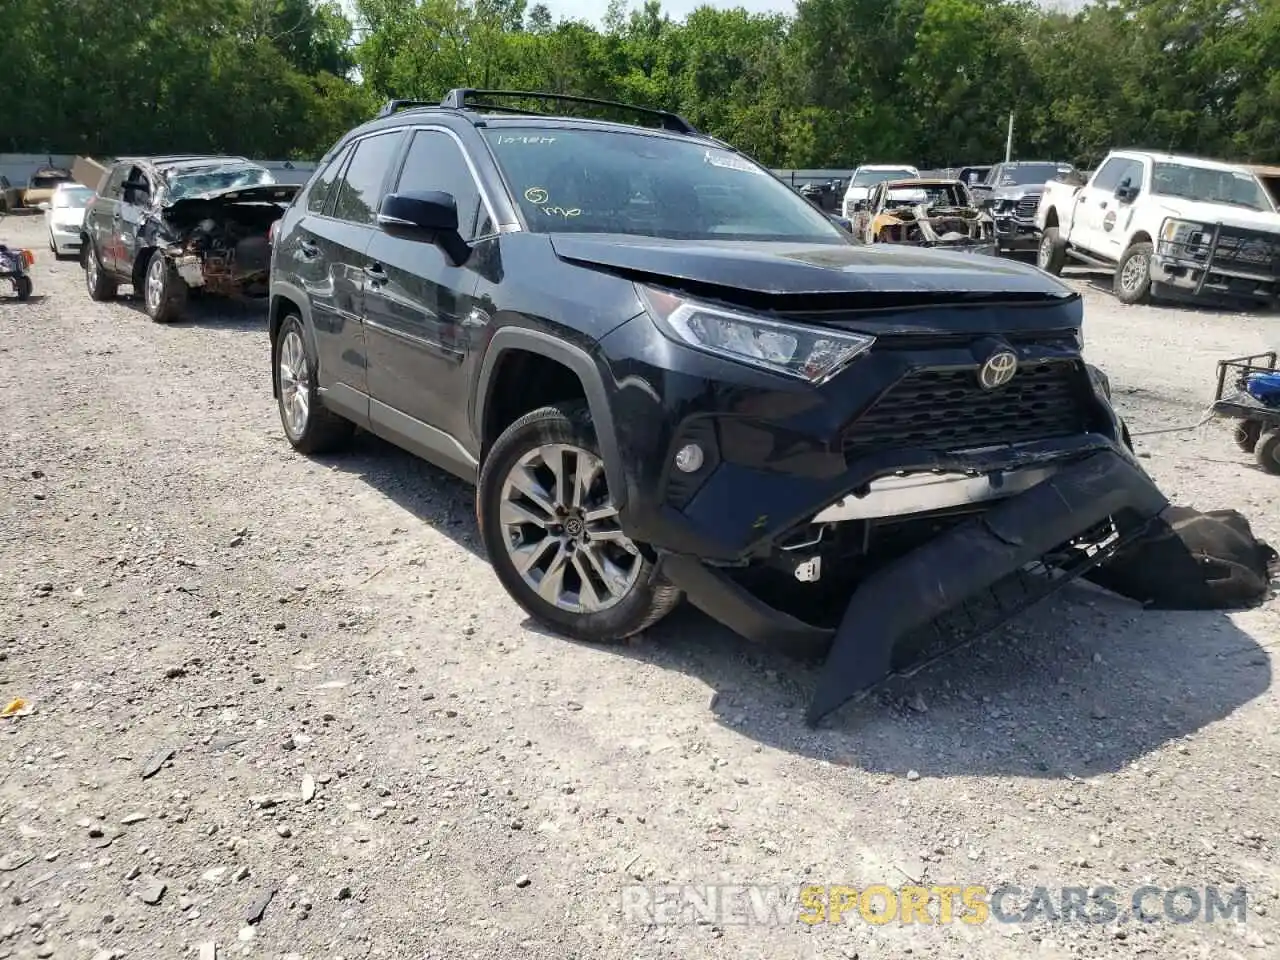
{"x":219,"y":241}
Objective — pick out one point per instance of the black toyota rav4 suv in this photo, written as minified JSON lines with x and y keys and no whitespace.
{"x":670,"y":375}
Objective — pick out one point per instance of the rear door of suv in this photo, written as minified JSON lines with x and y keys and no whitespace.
{"x":420,"y":313}
{"x":325,"y":252}
{"x":101,"y":214}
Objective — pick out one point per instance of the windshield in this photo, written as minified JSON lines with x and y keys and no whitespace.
{"x":1208,"y":185}
{"x":44,"y":183}
{"x":865,"y":178}
{"x":208,"y":179}
{"x":1025,"y":174}
{"x":76,"y":197}
{"x":934,"y":194}
{"x":604,"y":181}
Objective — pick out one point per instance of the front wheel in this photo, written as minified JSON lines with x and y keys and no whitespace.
{"x":553,"y":534}
{"x":22,"y":287}
{"x":1133,"y":274}
{"x":163,"y":292}
{"x":1051,"y":256}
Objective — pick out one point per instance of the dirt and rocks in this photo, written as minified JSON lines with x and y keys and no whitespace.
{"x":280,"y":707}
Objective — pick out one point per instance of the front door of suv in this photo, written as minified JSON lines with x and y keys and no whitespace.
{"x":325,"y":253}
{"x":420,"y":313}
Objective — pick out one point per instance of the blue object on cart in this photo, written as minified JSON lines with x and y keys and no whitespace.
{"x":1264,"y":387}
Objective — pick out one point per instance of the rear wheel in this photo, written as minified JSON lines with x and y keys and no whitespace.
{"x":1247,"y":433}
{"x":1267,"y":451}
{"x":101,"y":286}
{"x":1052,"y":253}
{"x":1132,"y":282}
{"x":163,"y":292}
{"x":553,"y":534}
{"x":22,"y":287}
{"x":310,"y":426}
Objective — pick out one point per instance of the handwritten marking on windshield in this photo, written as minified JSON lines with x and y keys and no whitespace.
{"x":524,"y":139}
{"x":562,"y":212}
{"x":536,"y":195}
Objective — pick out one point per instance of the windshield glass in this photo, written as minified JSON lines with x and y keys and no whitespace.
{"x":76,"y":197}
{"x":865,"y":178}
{"x":934,"y":194}
{"x":216,"y":178}
{"x":1208,"y":185}
{"x":604,"y":181}
{"x":1025,"y":174}
{"x":44,"y":183}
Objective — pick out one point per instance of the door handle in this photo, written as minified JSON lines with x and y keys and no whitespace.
{"x":309,"y":249}
{"x":375,"y":273}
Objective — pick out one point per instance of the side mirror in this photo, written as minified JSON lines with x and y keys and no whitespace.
{"x":1126,"y":192}
{"x":428,"y":215}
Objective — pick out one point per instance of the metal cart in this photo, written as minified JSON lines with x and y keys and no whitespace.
{"x":1257,"y":428}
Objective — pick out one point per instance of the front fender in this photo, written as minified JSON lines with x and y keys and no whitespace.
{"x":588,"y":373}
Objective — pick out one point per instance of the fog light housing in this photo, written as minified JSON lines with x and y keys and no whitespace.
{"x":689,"y":458}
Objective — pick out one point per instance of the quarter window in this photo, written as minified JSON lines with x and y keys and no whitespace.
{"x":436,"y":162}
{"x":360,"y":191}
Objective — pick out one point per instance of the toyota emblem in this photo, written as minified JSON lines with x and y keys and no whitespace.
{"x":998,"y":369}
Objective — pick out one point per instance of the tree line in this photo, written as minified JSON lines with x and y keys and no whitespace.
{"x":840,"y":82}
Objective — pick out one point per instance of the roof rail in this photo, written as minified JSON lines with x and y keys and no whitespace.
{"x":394,"y":106}
{"x":457,"y":100}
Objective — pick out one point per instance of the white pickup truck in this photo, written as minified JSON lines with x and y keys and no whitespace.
{"x":1167,"y":226}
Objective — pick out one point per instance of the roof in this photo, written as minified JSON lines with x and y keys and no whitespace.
{"x":886,"y":166}
{"x":923,"y":182}
{"x":1159,"y":157}
{"x":178,"y":160}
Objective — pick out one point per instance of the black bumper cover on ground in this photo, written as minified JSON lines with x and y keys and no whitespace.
{"x":934,"y":579}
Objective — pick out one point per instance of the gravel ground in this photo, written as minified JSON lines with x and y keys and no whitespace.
{"x":256,"y":674}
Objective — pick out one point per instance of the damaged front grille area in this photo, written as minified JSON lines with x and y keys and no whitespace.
{"x":948,"y":410}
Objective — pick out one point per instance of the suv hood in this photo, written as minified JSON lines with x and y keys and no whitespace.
{"x":793,"y":269}
{"x":1224,"y":213}
{"x":265,"y":193}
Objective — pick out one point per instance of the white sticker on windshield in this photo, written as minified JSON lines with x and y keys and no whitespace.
{"x":728,"y":161}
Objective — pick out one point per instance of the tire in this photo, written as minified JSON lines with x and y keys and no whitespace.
{"x":53,"y":247}
{"x":578,"y":548}
{"x":309,"y":426}
{"x":1246,"y":434}
{"x":1132,"y":283}
{"x":164,"y":294}
{"x":101,"y":287}
{"x":22,"y":287}
{"x":1267,"y":451}
{"x":1051,"y":256}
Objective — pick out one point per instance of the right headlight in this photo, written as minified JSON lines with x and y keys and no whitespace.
{"x":815,"y":354}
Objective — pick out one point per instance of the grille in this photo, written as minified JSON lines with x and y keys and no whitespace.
{"x":946,"y":410}
{"x":1027,"y":205}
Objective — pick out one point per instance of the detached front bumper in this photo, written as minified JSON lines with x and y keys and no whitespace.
{"x":1103,"y":489}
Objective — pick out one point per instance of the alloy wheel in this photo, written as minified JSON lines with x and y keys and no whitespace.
{"x":155,"y":282}
{"x":1134,"y":272}
{"x":562,"y":530}
{"x":91,"y":268}
{"x":295,"y":384}
{"x":1045,"y":251}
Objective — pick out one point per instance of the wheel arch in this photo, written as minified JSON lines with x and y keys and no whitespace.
{"x":508,"y":342}
{"x":287,"y":299}
{"x":1051,"y":218}
{"x":1139,"y":236}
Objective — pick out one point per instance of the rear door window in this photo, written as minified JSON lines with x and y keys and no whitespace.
{"x":360,"y":191}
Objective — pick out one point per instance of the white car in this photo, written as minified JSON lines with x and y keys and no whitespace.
{"x":63,"y":216}
{"x":866,"y":177}
{"x":1167,"y":226}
